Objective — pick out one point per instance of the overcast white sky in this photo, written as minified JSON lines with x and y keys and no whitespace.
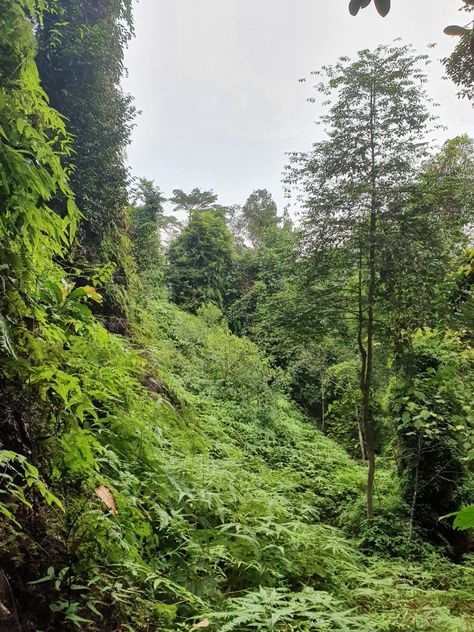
{"x":217,"y":83}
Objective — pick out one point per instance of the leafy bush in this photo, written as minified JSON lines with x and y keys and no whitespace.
{"x":435,"y":420}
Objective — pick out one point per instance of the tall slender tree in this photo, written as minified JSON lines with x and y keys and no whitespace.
{"x":149,"y":227}
{"x":259,"y":213}
{"x":376,"y":128}
{"x":147,"y":218}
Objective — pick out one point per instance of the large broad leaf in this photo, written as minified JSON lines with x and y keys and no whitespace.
{"x":354,"y":6}
{"x":86,"y":290}
{"x":382,"y":6}
{"x":465,"y":518}
{"x":458,"y":31}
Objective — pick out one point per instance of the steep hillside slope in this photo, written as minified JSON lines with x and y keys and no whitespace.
{"x":193,"y":491}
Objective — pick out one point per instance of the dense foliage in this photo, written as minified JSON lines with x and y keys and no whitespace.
{"x":200,"y":261}
{"x":194,"y":453}
{"x":81,"y":46}
{"x":459,"y":65}
{"x":259,"y":213}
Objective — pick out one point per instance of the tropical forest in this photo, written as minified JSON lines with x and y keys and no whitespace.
{"x":246,"y":416}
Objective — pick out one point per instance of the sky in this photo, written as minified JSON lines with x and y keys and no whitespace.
{"x":216,"y":82}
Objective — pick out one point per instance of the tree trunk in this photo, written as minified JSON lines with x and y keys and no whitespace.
{"x":323,"y":404}
{"x":415,"y":489}
{"x":366,"y":352}
{"x":322,"y":375}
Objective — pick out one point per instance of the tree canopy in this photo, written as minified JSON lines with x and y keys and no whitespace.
{"x":201,"y":261}
{"x":192,"y":201}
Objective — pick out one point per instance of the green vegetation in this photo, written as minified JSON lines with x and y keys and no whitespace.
{"x":188,"y":425}
{"x":259,"y":213}
{"x":459,"y":65}
{"x":200,"y":261}
{"x":80,"y":60}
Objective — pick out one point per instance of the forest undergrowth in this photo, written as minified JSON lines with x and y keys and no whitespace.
{"x":195,"y":492}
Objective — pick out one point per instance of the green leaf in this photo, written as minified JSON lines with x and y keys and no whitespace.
{"x":71,"y":206}
{"x":455,"y":31}
{"x":464,"y":518}
{"x":21,"y":124}
{"x":3,"y":134}
{"x":41,"y":580}
{"x":86,"y":290}
{"x":76,"y":619}
{"x":382,"y":6}
{"x":92,"y":293}
{"x":49,"y":576}
{"x":354,"y":6}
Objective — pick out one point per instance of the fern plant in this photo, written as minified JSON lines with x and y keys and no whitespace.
{"x":281,"y":609}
